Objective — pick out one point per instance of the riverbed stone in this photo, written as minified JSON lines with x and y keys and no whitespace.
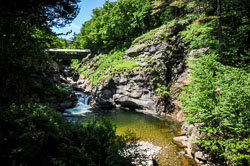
{"x":142,"y":153}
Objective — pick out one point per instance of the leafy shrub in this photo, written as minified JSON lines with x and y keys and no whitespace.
{"x":200,"y":34}
{"x":34,"y":134}
{"x":218,"y":99}
{"x":241,"y":152}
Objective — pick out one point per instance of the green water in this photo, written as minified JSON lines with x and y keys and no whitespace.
{"x":158,"y":131}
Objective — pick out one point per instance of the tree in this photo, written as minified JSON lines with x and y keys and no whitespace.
{"x":38,"y":12}
{"x":219,"y":30}
{"x":116,"y":23}
{"x":25,"y":32}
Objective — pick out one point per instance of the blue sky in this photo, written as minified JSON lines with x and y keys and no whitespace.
{"x":85,"y":14}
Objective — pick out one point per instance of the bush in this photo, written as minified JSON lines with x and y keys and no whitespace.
{"x":34,"y":134}
{"x":218,"y":98}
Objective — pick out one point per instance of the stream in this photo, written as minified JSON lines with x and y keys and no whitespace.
{"x":158,"y":131}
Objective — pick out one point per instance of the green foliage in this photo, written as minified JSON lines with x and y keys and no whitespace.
{"x":236,"y":30}
{"x":106,"y":28}
{"x":106,"y":65}
{"x":178,"y":3}
{"x":218,"y":99}
{"x":150,"y":36}
{"x":25,"y":34}
{"x":241,"y":152}
{"x":60,"y":91}
{"x":201,"y":33}
{"x":34,"y":134}
{"x":162,"y":90}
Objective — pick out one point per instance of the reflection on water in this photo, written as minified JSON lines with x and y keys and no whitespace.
{"x":159,"y":131}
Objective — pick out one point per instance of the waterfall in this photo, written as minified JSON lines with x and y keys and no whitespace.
{"x":82,"y":106}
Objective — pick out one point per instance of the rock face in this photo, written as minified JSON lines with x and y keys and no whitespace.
{"x":163,"y":68}
{"x":141,"y":89}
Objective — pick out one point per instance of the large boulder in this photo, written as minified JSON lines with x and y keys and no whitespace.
{"x":103,"y":94}
{"x":134,"y":51}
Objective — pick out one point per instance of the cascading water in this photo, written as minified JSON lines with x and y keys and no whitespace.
{"x":82,"y":106}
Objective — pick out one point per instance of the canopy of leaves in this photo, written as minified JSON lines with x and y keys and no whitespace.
{"x":25,"y":33}
{"x":116,"y":23}
{"x":39,"y":12}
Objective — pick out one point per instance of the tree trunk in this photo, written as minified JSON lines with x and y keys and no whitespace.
{"x":220,"y":38}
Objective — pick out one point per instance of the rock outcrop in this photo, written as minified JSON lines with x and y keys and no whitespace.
{"x":161,"y":63}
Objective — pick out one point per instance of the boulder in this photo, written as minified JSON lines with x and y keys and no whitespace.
{"x":142,"y":153}
{"x":181,"y":141}
{"x":201,"y":155}
{"x":192,"y":147}
{"x":134,"y":51}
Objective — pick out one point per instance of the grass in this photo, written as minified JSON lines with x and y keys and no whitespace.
{"x":150,"y":36}
{"x":106,"y":66}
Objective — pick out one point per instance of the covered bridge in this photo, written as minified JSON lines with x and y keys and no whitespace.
{"x":67,"y":54}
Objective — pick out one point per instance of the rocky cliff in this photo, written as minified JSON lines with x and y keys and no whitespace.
{"x":147,"y":88}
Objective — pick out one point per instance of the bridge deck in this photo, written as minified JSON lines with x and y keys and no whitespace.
{"x":68,"y":54}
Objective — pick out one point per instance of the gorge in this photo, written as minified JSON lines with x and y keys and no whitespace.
{"x":139,"y":91}
{"x":166,"y":83}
